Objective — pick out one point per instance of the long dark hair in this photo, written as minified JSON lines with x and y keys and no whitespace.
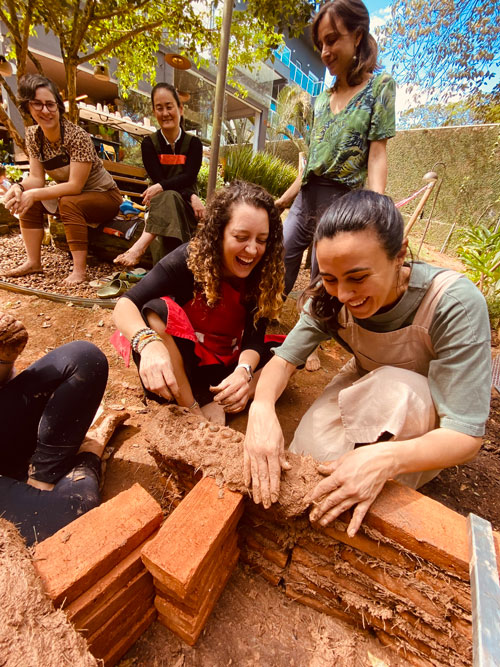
{"x":265,"y":284}
{"x":355,"y":17}
{"x":28,"y":86}
{"x":171,"y":89}
{"x":355,"y":211}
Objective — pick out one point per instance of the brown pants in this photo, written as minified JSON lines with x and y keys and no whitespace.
{"x":76,"y":212}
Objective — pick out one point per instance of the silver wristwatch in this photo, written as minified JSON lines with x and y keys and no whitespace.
{"x":248,"y":369}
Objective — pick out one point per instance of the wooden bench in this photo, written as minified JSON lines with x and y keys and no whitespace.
{"x":131,"y":181}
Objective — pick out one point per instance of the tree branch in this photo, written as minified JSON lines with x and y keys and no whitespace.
{"x":124,"y":38}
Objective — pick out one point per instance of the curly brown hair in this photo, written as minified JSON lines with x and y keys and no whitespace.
{"x":265,"y":284}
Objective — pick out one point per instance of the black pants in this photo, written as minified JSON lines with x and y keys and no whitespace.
{"x":45,"y":413}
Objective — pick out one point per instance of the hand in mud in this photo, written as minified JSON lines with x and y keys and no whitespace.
{"x":157,"y":372}
{"x":356,"y":478}
{"x":233,"y":392}
{"x":13,"y":337}
{"x":264,"y":454}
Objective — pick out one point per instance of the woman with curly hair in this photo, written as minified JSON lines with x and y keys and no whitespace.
{"x":206,"y":306}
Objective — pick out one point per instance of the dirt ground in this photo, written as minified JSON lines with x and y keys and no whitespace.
{"x":253,"y":623}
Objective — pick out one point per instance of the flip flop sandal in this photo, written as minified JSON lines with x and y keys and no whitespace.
{"x":100,"y":282}
{"x":114,"y":289}
{"x":131,"y":276}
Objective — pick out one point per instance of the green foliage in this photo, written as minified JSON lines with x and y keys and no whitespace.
{"x":261,"y":168}
{"x":132,"y":31}
{"x":471,"y":180}
{"x":493,"y":303}
{"x":13,"y":173}
{"x":293,"y":108}
{"x":203,"y":181}
{"x":449,"y":46}
{"x":479,"y":250}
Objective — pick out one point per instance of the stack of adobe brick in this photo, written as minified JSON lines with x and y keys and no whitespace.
{"x":404,"y":575}
{"x":92,"y":568}
{"x":192,"y":557}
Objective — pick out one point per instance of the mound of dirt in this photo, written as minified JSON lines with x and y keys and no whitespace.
{"x":32,"y":632}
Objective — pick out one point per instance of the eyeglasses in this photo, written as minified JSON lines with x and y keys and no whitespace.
{"x":38,"y":106}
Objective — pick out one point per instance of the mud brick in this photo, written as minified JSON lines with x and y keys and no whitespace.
{"x":192,"y":603}
{"x":259,"y":565}
{"x":188,"y":626}
{"x":102,"y":642}
{"x":462,"y":625}
{"x":298,"y":589}
{"x":89,"y":602}
{"x":141,"y":586}
{"x":422,"y":525}
{"x":448,"y":588}
{"x":128,"y":638}
{"x":327,"y":572}
{"x":277,"y":556}
{"x":403,"y":650}
{"x":449,"y":638}
{"x":191,"y":535}
{"x":77,"y":556}
{"x":369,"y":546}
{"x":394,"y":584}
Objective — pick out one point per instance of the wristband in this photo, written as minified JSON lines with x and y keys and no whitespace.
{"x":20,"y":185}
{"x":248,"y":369}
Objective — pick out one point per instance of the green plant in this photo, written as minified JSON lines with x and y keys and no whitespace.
{"x":493,"y":303}
{"x":261,"y":168}
{"x":479,"y":250}
{"x":202,"y":181}
{"x":13,"y":173}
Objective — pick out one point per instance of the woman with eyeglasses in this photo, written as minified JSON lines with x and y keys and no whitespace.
{"x":84,"y":194}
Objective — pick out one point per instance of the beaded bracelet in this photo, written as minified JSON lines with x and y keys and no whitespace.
{"x":138,"y":335}
{"x":146,"y":340}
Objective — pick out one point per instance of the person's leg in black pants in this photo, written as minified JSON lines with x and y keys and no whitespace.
{"x":45,"y":413}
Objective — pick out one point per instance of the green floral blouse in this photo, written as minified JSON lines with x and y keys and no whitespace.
{"x":339,"y":143}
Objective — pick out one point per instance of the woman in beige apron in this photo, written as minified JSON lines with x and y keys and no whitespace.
{"x":415,"y":396}
{"x":84,"y":193}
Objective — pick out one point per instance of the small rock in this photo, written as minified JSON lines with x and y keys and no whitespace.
{"x":100,"y":323}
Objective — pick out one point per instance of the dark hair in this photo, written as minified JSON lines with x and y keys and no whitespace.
{"x":265,"y":284}
{"x":171,"y":89}
{"x":355,"y":211}
{"x":28,"y":86}
{"x":355,"y":17}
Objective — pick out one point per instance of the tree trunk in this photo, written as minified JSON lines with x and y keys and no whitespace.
{"x":71,"y":69}
{"x":5,"y":119}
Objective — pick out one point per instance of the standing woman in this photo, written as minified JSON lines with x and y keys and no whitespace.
{"x":415,"y":396}
{"x":85,"y":193}
{"x":172,"y":159}
{"x":352,"y":122}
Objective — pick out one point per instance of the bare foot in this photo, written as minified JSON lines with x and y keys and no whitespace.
{"x":313,"y":363}
{"x":24,"y":269}
{"x":75,"y":278}
{"x":129,"y":258}
{"x":214,"y":412}
{"x":42,"y":486}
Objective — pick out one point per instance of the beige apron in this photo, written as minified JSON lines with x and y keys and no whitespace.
{"x":383,"y":388}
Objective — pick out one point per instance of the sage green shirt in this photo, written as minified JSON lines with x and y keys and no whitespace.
{"x":460,"y":377}
{"x":339,"y":143}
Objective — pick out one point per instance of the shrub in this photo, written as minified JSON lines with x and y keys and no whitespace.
{"x":261,"y":168}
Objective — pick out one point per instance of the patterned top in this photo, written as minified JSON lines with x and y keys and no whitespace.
{"x":80,"y":148}
{"x":339,"y":143}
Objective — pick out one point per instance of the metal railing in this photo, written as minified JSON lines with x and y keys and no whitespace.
{"x":297,"y":75}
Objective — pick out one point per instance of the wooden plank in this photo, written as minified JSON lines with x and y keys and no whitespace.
{"x":125,"y":169}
